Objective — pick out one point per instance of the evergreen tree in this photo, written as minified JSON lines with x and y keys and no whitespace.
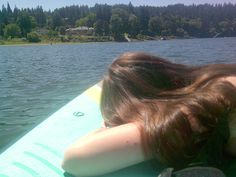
{"x":123,"y":18}
{"x":174,"y":20}
{"x":144,"y":19}
{"x":133,"y":25}
{"x":16,"y":11}
{"x":56,"y":20}
{"x":4,"y":16}
{"x":98,"y":27}
{"x":116,"y":26}
{"x":24,"y":22}
{"x":40,"y":16}
{"x":9,"y":11}
{"x":130,"y":8}
{"x":2,"y":30}
{"x":155,"y":25}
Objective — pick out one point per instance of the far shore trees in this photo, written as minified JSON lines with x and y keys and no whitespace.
{"x":12,"y":31}
{"x":115,"y":21}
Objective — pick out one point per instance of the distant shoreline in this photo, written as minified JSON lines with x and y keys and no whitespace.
{"x":147,"y":38}
{"x":102,"y":23}
{"x":52,"y":43}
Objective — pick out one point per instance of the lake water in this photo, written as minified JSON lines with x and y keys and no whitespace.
{"x":35,"y":81}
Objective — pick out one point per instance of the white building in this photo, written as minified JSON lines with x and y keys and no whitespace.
{"x":82,"y":30}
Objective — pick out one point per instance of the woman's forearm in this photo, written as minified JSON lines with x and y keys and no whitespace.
{"x":104,"y":151}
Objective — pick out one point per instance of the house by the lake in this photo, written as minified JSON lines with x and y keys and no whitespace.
{"x":82,"y":30}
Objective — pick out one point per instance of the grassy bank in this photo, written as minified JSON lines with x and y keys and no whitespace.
{"x":57,"y":40}
{"x":45,"y":40}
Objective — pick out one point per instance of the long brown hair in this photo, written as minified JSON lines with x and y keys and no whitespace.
{"x":193,"y":128}
{"x":177,"y":106}
{"x":137,"y":76}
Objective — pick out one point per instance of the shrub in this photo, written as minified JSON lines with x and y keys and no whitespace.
{"x":12,"y":30}
{"x":33,"y":37}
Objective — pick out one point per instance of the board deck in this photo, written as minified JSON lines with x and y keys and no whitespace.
{"x":39,"y":153}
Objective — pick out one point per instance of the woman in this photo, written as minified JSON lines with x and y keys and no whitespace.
{"x":162,"y":110}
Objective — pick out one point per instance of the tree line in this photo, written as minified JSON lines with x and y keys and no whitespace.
{"x":178,"y":20}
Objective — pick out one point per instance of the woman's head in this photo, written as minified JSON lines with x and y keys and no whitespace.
{"x":142,"y":73}
{"x":136,"y":76}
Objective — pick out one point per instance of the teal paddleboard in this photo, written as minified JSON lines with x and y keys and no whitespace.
{"x":39,"y":153}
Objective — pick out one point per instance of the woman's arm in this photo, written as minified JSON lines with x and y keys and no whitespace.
{"x":105,"y":151}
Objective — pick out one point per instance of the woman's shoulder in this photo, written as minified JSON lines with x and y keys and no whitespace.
{"x":231,"y":79}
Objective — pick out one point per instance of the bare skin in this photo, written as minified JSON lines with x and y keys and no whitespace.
{"x":110,"y":149}
{"x":114,"y":148}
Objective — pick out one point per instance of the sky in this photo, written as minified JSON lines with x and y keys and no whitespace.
{"x":52,"y":4}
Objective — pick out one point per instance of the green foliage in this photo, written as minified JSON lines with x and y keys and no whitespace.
{"x":180,"y":32}
{"x":12,"y":30}
{"x":116,"y":26}
{"x":144,"y":16}
{"x":133,"y":25}
{"x":119,"y":23}
{"x":212,"y":31}
{"x":62,"y":30}
{"x":194,"y":26}
{"x":52,"y":34}
{"x":103,"y":12}
{"x":87,"y":21}
{"x":81,"y":22}
{"x":56,"y":20}
{"x":25,"y":23}
{"x":138,"y":22}
{"x":33,"y":22}
{"x":40,"y":16}
{"x":155,"y":25}
{"x":2,"y":29}
{"x":101,"y":28}
{"x":4,"y":16}
{"x":33,"y":37}
{"x":226,"y":27}
{"x":123,"y":16}
{"x":98,"y":27}
{"x":91,"y":18}
{"x":9,"y":11}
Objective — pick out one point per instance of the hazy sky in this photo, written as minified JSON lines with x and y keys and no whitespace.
{"x":52,"y":4}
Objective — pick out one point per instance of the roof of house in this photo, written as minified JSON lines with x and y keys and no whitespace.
{"x":80,"y":28}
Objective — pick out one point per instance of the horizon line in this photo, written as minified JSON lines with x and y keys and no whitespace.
{"x":193,"y":4}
